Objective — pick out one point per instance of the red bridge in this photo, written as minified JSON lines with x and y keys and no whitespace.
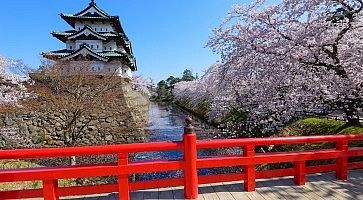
{"x":189,"y":165}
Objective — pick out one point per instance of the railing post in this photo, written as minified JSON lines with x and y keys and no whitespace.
{"x":190,"y":161}
{"x":50,"y":188}
{"x":300,"y":172}
{"x":123,"y":179}
{"x":249,"y":170}
{"x":342,"y":163}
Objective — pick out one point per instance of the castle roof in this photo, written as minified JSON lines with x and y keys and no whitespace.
{"x":63,"y":36}
{"x":86,"y":31}
{"x":93,"y":8}
{"x":85,"y":51}
{"x":87,"y":18}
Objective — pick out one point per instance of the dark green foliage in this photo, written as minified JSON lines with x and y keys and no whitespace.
{"x":339,"y":15}
{"x":234,"y":116}
{"x":202,"y":108}
{"x":165,"y":88}
{"x":188,"y":75}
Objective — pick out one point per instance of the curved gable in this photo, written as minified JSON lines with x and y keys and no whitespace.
{"x":86,"y":31}
{"x":84,"y":51}
{"x":92,"y":11}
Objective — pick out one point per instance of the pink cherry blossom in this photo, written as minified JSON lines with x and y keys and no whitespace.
{"x":287,"y":61}
{"x":11,"y":87}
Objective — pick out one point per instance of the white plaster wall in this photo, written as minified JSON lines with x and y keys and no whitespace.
{"x":110,"y":46}
{"x":91,"y":43}
{"x":70,"y":43}
{"x":126,"y":71}
{"x":90,"y":66}
{"x":101,"y":68}
{"x":114,"y":67}
{"x":97,"y":26}
{"x":118,"y":68}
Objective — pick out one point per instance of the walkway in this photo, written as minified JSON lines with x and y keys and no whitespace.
{"x":318,"y":186}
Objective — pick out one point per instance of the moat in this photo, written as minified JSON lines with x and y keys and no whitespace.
{"x":166,"y":123}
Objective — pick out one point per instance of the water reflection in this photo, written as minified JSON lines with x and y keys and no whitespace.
{"x":166,"y":124}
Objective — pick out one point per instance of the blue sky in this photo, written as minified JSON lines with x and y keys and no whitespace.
{"x":168,"y":36}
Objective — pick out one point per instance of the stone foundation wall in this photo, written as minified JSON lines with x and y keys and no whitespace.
{"x":39,"y":129}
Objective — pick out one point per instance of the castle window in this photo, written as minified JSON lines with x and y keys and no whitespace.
{"x":125,"y":71}
{"x":92,"y":46}
{"x":106,"y":29}
{"x":101,"y":29}
{"x":95,"y":29}
{"x":110,"y":48}
{"x":105,"y":48}
{"x":99,"y":69}
{"x":70,"y":47}
{"x":97,"y":46}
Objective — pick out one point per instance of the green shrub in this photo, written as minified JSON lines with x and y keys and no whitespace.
{"x":314,"y":126}
{"x":352,"y":130}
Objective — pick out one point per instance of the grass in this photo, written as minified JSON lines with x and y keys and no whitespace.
{"x":18,"y":164}
{"x":314,"y":126}
{"x":318,"y":126}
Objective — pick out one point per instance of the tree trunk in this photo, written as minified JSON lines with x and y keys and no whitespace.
{"x":73,"y":160}
{"x":351,"y":114}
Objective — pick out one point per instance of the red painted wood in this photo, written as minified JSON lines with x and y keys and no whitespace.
{"x":355,"y":165}
{"x":50,"y":190}
{"x":222,"y":161}
{"x":274,"y":141}
{"x":189,"y":164}
{"x":221,"y":178}
{"x":85,"y":190}
{"x":190,"y":168}
{"x":342,"y":162}
{"x":109,"y":188}
{"x":354,"y":152}
{"x":273,"y":158}
{"x":275,"y":173}
{"x":54,"y":173}
{"x":152,"y":166}
{"x":123,"y":179}
{"x":297,"y":156}
{"x":21,"y":194}
{"x":90,"y":150}
{"x":300,"y":172}
{"x":141,"y":185}
{"x":249,"y":170}
{"x":320,"y":169}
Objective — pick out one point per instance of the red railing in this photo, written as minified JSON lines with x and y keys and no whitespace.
{"x":190,"y":163}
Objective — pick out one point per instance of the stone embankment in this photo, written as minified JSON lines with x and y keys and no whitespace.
{"x":48,"y":129}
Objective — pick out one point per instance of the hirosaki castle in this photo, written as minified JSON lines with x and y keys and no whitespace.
{"x":97,"y":40}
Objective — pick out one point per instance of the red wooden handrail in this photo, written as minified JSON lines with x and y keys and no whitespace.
{"x":190,"y":163}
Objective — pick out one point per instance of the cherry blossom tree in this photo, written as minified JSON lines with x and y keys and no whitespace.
{"x":295,"y":59}
{"x":141,"y":84}
{"x":11,"y":83}
{"x":284,"y":62}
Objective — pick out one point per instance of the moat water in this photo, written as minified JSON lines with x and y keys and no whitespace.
{"x":166,"y":123}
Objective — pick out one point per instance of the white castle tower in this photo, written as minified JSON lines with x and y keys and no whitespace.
{"x":97,"y":39}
